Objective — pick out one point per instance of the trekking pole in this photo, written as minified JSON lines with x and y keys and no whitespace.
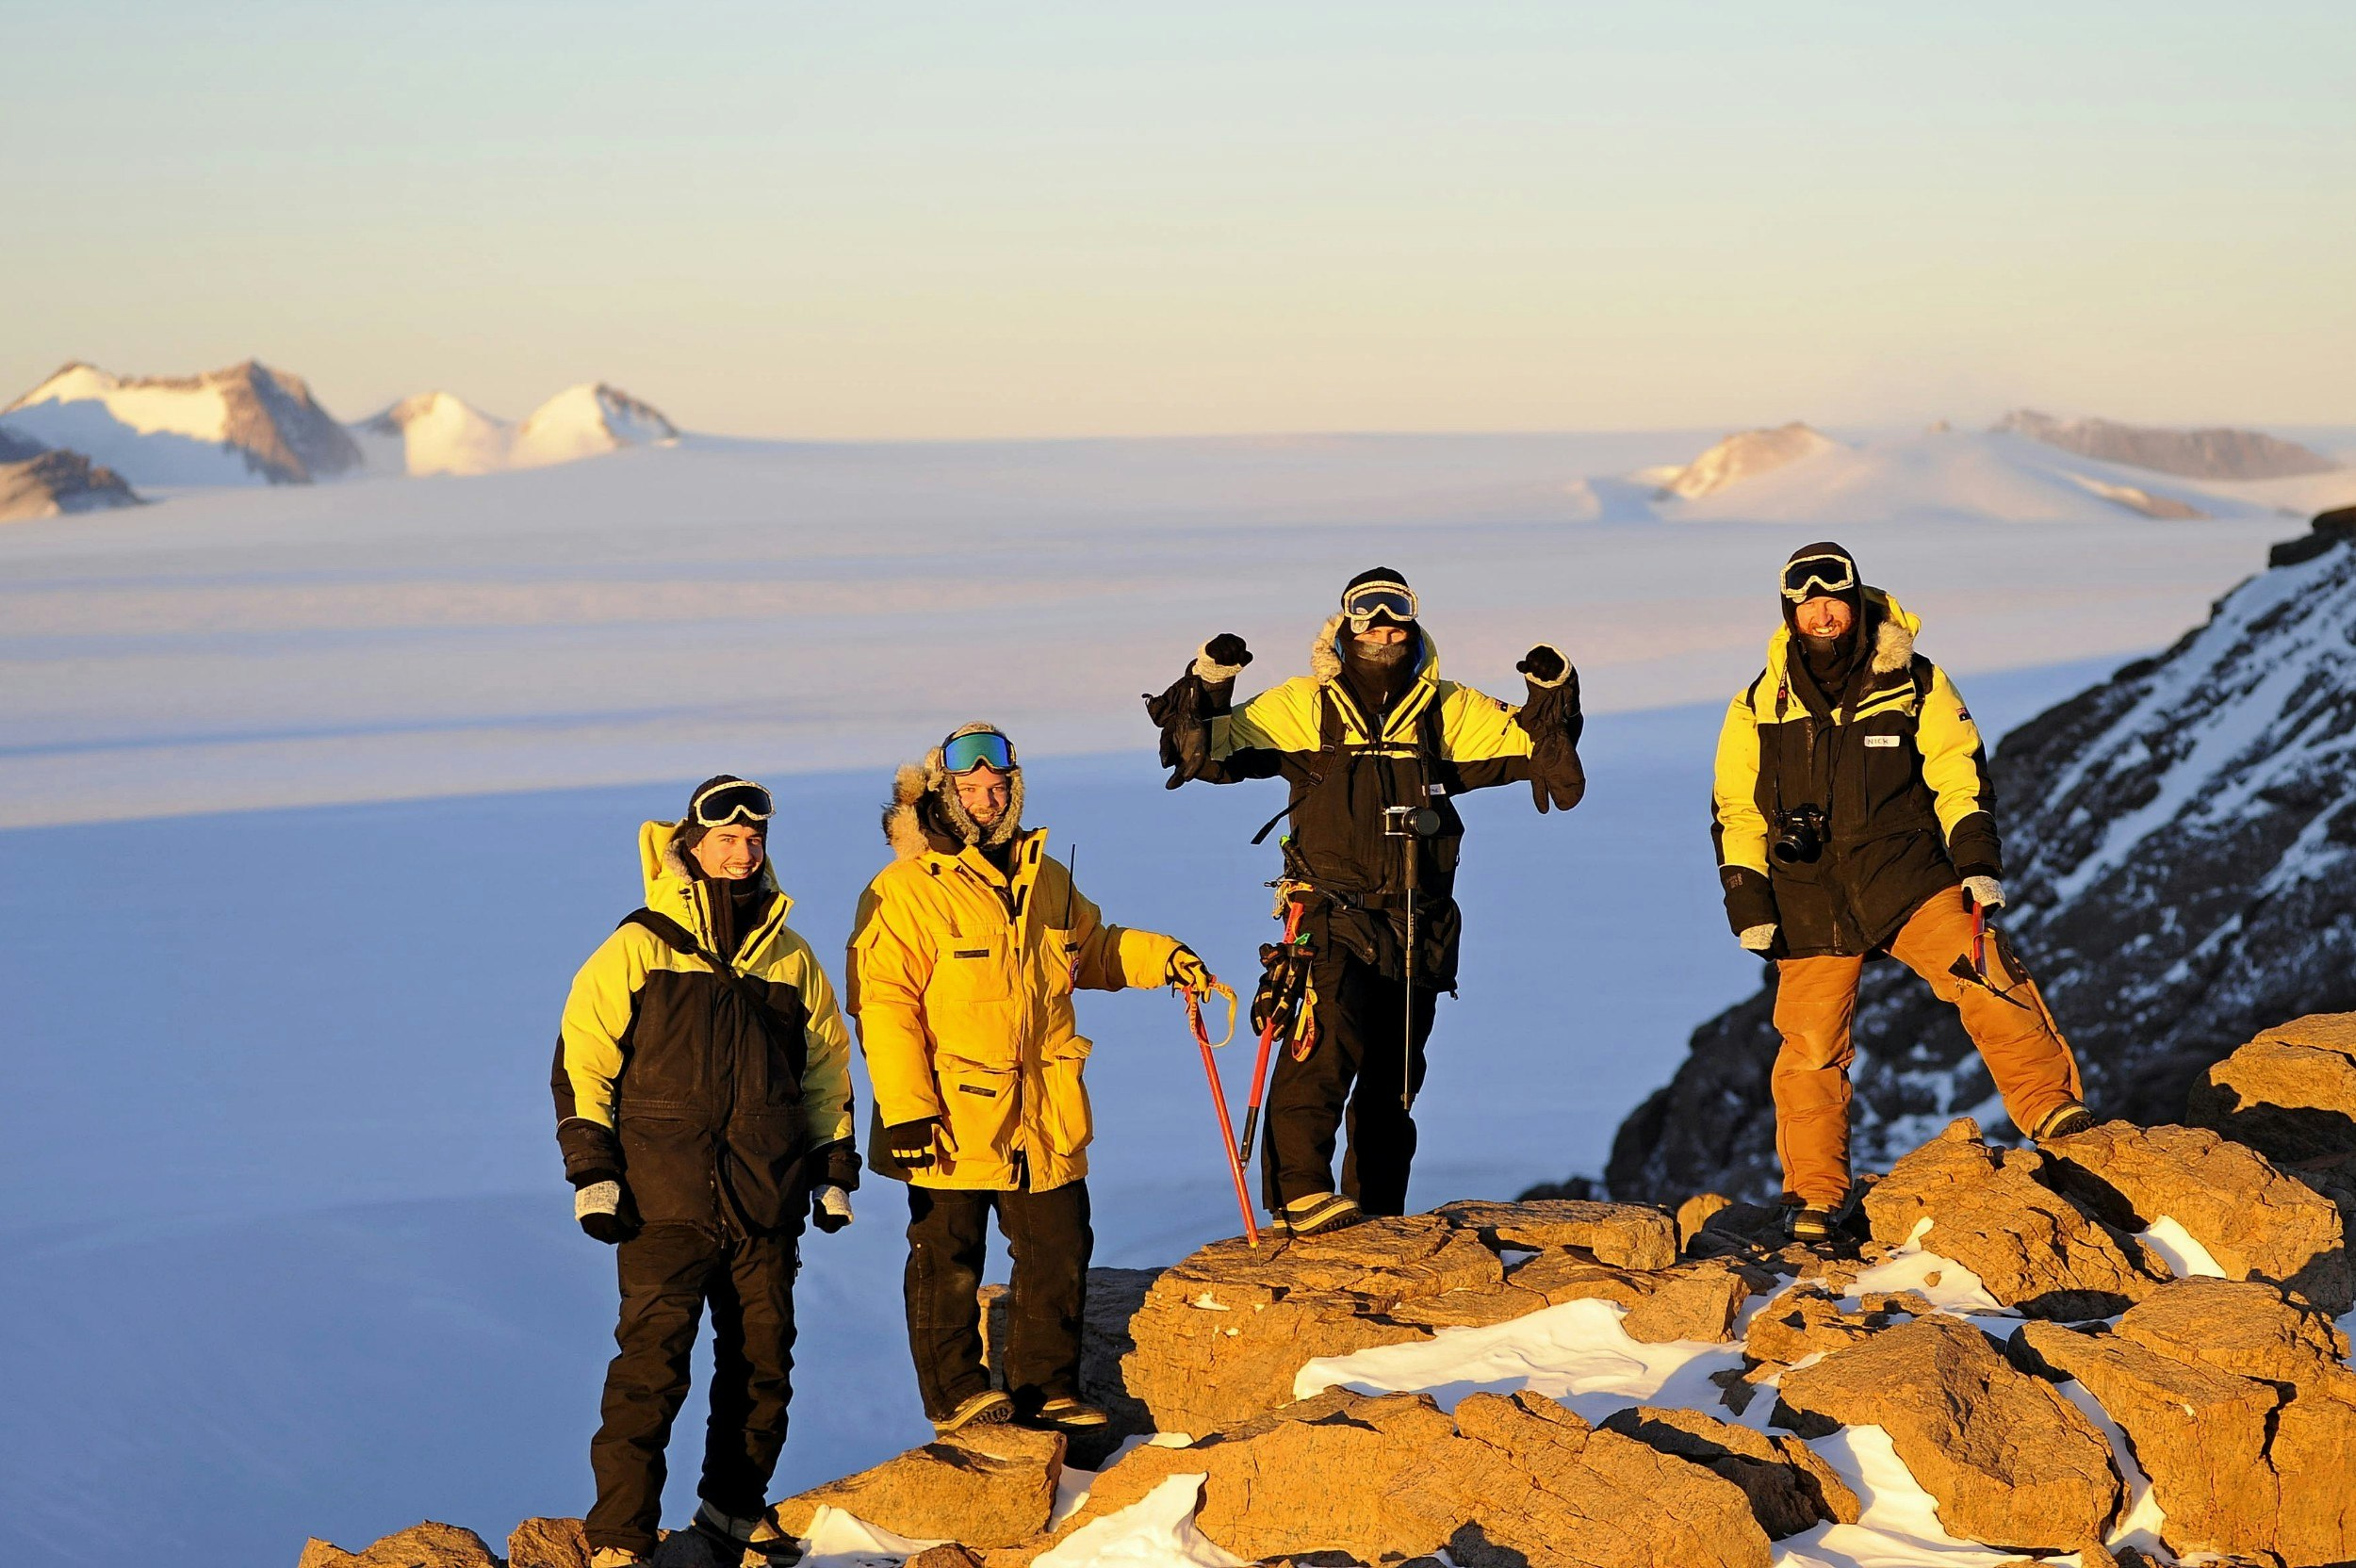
{"x":1218,"y":1101}
{"x":1268,"y":1037}
{"x":1409,"y":823}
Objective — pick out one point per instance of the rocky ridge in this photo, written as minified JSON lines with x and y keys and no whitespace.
{"x":2120,"y":1345}
{"x":51,"y":483}
{"x":2178,"y":842}
{"x":2212,"y":454}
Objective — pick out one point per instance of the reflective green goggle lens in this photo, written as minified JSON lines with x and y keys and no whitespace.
{"x":1818,"y":574}
{"x":725,"y":804}
{"x":983,"y":748}
{"x":1379,"y":600}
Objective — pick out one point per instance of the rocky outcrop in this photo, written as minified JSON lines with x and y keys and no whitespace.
{"x":2011,"y":1462}
{"x":1987,"y":1209}
{"x":1791,"y":1488}
{"x":2213,"y":454}
{"x":547,"y":1543}
{"x":985,"y":1486}
{"x":1626,"y":1236}
{"x":426,"y":1545}
{"x":2255,"y":1223}
{"x":2181,"y":844}
{"x":2240,"y":1407}
{"x":53,"y":483}
{"x":2290,"y":1093}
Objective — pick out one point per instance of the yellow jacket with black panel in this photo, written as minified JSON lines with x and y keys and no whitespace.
{"x":711,"y":1108}
{"x":961,"y":978}
{"x":1439,"y":740}
{"x":1899,"y":771}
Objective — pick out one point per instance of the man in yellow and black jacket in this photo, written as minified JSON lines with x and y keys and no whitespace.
{"x":1375,"y":747}
{"x":703,"y":1105}
{"x":1853,"y":817}
{"x":963,"y":959}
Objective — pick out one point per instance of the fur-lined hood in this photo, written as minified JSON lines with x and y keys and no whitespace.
{"x":1894,"y":629}
{"x":1325,"y":652}
{"x":904,"y":826}
{"x":671,"y":882}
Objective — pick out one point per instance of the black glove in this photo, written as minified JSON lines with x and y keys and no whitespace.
{"x":910,"y":1143}
{"x":1543,"y":664}
{"x":603,"y":1205}
{"x":1184,"y":714}
{"x":1227,"y":649}
{"x":838,"y":1165}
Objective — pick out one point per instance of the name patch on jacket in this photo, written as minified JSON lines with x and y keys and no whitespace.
{"x":971,"y":953}
{"x":977,"y":1088}
{"x":1881,"y":740}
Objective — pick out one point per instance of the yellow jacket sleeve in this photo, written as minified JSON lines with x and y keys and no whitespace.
{"x":1282,"y":718}
{"x":1113,"y":957}
{"x":596,"y":1016}
{"x":827,"y":1092}
{"x":1477,"y":727}
{"x":1954,"y":765}
{"x":890,"y":965}
{"x":1737,"y":824}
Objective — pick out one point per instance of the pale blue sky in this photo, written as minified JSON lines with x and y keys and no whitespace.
{"x":859,"y":218}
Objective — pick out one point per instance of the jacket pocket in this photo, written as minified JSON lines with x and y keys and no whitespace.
{"x":1067,"y":1121}
{"x":970,"y":969}
{"x":981,"y":1111}
{"x":1060,"y":957}
{"x":668,"y":1163}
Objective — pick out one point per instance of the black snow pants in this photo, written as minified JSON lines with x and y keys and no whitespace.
{"x":1351,"y":1080}
{"x":1049,"y":1240}
{"x":668,"y":1272}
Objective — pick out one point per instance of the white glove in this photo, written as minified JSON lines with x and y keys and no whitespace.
{"x":830,"y":1209}
{"x":1759,"y":939}
{"x":1985,"y":892}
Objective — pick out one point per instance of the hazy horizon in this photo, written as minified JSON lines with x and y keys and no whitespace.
{"x":929,"y":222}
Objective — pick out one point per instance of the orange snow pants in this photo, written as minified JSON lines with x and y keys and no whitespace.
{"x":1816,"y":1002}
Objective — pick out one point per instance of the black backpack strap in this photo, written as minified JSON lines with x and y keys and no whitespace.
{"x":1329,"y":746}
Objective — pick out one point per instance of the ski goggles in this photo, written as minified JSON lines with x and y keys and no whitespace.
{"x":1391,"y":601}
{"x":726,"y":804}
{"x":982,"y":748}
{"x":1811,"y":576}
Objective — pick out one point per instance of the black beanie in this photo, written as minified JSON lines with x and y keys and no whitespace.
{"x":1376,"y":574}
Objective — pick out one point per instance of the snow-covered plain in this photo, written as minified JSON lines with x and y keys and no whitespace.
{"x":316,"y":795}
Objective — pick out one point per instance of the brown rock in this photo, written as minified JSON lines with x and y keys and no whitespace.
{"x":984,"y":1486}
{"x":1221,"y":1336}
{"x":1626,"y":1236}
{"x":2032,"y":1247}
{"x":1469,"y":1309}
{"x":2011,"y":1462}
{"x":2200,"y":1434}
{"x":2256,"y":1222}
{"x":1562,"y":1274}
{"x":1694,"y":1213}
{"x":1790,"y":1486}
{"x":1535,"y":1486}
{"x":1804,"y":1321}
{"x":1114,"y":1296}
{"x":2290,"y":1093}
{"x":947,"y":1555}
{"x":1696,"y":1303}
{"x":547,"y":1543}
{"x":426,"y":1545}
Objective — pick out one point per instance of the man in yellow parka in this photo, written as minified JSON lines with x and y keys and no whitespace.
{"x":703,"y":1105}
{"x":1854,"y":817}
{"x":962,"y":964}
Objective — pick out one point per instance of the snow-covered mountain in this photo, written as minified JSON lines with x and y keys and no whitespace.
{"x":248,"y":424}
{"x":1796,"y":475}
{"x":2220,"y":454}
{"x":435,"y":432}
{"x":1743,"y":455}
{"x":51,"y":483}
{"x":2182,"y":851}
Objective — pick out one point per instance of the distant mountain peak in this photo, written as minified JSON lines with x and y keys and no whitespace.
{"x":2212,"y":454}
{"x":1744,"y":454}
{"x":153,"y":429}
{"x":583,"y":420}
{"x":50,"y":482}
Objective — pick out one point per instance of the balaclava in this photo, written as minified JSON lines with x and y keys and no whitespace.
{"x":942,"y":811}
{"x":735,"y":901}
{"x":1379,"y":673}
{"x":1831,"y":665}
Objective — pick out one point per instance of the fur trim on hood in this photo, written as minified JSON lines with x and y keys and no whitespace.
{"x":1325,"y":657}
{"x":904,"y":819}
{"x":1894,"y":642}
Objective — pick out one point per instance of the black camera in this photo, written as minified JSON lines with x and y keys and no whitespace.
{"x":1411,"y":822}
{"x":1799,"y":834}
